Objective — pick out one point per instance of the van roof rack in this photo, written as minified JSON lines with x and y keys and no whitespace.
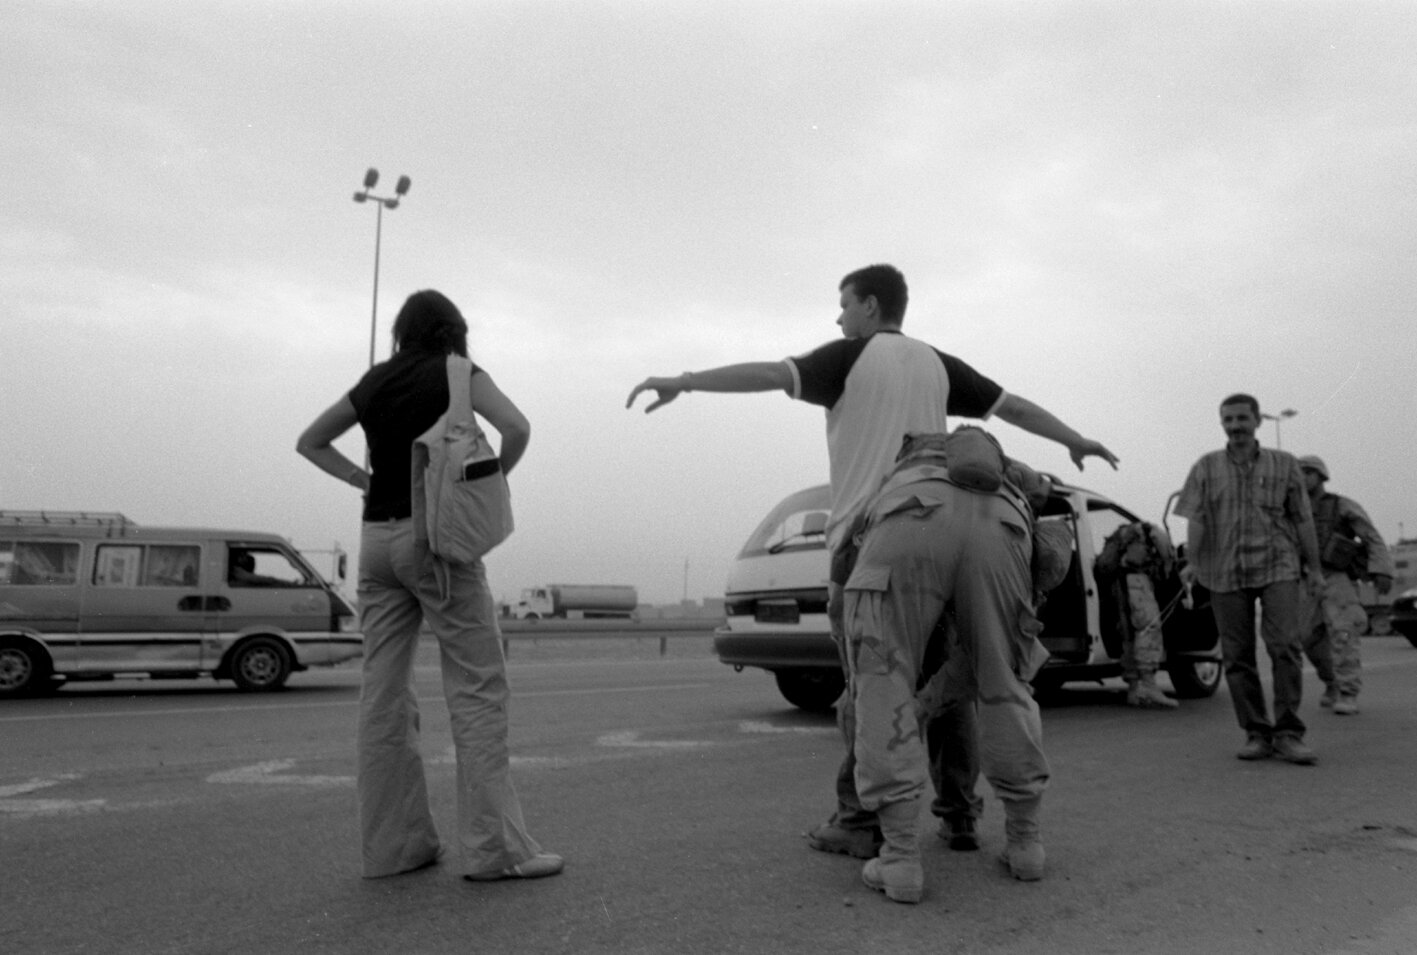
{"x":64,"y":518}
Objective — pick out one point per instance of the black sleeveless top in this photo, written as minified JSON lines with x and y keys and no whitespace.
{"x":396,"y":401}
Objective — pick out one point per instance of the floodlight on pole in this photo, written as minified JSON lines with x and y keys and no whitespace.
{"x":371,"y":179}
{"x":1278,"y":419}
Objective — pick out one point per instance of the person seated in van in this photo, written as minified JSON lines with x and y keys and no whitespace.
{"x":241,"y":571}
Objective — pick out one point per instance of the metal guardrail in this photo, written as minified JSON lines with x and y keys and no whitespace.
{"x":601,"y":629}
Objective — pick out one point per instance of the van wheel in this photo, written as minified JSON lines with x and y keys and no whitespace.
{"x":260,"y":664}
{"x":1195,"y":679}
{"x":25,"y":669}
{"x":815,"y":689}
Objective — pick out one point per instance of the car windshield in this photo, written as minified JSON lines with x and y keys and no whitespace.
{"x":799,"y":522}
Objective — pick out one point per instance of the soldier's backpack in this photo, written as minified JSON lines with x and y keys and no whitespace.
{"x":975,"y":460}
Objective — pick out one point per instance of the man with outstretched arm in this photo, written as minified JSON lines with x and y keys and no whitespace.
{"x":877,"y":385}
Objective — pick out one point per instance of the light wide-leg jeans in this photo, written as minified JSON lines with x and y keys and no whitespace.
{"x":397,"y":594}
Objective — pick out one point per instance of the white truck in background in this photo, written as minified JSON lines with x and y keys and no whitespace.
{"x":577,"y":602}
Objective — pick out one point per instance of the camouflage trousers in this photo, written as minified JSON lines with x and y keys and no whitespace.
{"x":970,"y":552}
{"x":949,"y":719}
{"x":1142,"y":648}
{"x":1333,"y":626}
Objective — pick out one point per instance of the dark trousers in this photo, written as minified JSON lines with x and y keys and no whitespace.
{"x":1235,"y":619}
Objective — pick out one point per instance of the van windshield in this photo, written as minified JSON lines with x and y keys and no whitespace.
{"x":798,"y":523}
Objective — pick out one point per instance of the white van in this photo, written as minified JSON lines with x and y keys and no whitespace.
{"x":776,"y":605}
{"x":94,"y":596}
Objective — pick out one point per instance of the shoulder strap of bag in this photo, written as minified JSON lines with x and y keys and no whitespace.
{"x":459,"y":391}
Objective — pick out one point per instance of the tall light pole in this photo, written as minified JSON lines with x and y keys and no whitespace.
{"x":1278,"y":419}
{"x":371,"y":179}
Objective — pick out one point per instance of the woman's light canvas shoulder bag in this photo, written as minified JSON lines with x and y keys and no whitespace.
{"x":461,"y":501}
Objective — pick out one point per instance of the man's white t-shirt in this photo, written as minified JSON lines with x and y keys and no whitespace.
{"x":876,"y":390}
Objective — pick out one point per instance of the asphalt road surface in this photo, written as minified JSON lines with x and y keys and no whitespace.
{"x":175,"y":818}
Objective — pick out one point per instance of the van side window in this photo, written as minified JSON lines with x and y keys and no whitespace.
{"x":153,"y":565}
{"x":39,"y":563}
{"x":171,"y":565}
{"x":263,"y":567}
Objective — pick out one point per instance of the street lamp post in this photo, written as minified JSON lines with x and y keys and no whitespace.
{"x":1278,"y":419}
{"x":371,"y":179}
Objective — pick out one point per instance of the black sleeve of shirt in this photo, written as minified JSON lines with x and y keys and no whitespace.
{"x":360,"y":393}
{"x":972,"y":395}
{"x":823,"y":371}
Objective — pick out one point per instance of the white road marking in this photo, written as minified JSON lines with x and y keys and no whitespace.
{"x":546,"y":762}
{"x":265,"y":773}
{"x":28,"y":787}
{"x":8,"y":804}
{"x":49,"y":807}
{"x":630,"y":739}
{"x":758,"y":726}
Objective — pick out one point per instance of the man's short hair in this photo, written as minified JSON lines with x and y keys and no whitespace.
{"x":1240,"y":398}
{"x":887,"y":284}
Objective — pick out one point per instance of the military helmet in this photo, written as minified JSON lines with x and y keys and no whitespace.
{"x":1312,"y":462}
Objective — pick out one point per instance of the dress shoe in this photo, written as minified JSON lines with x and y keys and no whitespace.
{"x":1346,"y":706}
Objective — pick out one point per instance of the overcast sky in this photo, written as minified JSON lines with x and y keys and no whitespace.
{"x":1122,"y":211}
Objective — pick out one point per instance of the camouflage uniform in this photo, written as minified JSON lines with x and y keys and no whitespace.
{"x":1133,"y":558}
{"x":1335,"y":620}
{"x":1142,"y":654}
{"x":932,"y":544}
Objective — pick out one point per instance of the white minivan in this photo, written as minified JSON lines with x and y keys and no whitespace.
{"x":776,"y":605}
{"x":95,"y":596}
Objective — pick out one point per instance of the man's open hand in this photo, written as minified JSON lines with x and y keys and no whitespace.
{"x":1092,"y":449}
{"x":666,"y":388}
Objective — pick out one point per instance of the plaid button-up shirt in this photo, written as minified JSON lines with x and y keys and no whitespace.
{"x":1250,"y":515}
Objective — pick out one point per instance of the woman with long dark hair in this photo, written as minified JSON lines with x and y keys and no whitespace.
{"x":395,"y":402}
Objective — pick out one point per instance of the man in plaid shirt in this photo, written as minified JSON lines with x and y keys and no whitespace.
{"x":1249,"y":539}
